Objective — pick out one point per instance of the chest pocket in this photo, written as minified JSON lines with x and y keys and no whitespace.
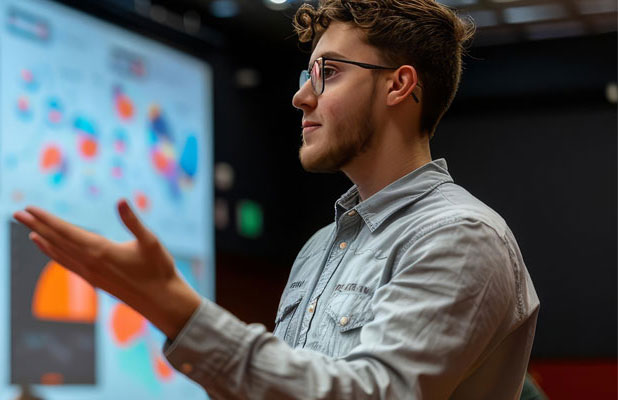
{"x":286,"y":323}
{"x":345,"y":315}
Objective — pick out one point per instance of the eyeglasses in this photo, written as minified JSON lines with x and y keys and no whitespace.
{"x":318,"y":73}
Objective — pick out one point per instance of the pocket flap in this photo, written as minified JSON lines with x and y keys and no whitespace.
{"x":291,"y":303}
{"x":350,"y":311}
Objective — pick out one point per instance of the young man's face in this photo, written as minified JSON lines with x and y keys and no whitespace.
{"x":339,"y":123}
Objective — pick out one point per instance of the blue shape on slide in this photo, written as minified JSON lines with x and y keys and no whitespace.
{"x":84,"y":126}
{"x":188,"y":159}
{"x":160,"y":128}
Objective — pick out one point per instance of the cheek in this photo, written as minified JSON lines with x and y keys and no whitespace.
{"x":334,"y":110}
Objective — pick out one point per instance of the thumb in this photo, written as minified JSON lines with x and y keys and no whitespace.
{"x":130,"y":220}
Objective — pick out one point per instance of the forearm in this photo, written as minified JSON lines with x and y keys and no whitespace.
{"x":168,"y":305}
{"x":233,"y":360}
{"x":448,"y":309}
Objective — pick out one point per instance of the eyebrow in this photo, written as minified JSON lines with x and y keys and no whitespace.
{"x":328,"y":54}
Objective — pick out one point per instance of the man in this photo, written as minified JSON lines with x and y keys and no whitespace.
{"x":416,"y":291}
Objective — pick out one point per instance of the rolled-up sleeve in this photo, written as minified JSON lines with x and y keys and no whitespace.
{"x":449,"y":303}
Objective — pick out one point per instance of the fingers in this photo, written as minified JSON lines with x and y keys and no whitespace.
{"x":132,"y":222}
{"x":50,"y":233}
{"x":52,"y":227}
{"x":59,"y":256}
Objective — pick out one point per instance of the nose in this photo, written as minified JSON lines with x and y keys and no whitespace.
{"x":305,"y":99}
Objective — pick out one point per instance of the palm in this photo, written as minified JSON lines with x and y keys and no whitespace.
{"x":103,"y":263}
{"x":139,"y":272}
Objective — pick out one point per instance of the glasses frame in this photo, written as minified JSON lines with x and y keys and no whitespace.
{"x":305,"y":75}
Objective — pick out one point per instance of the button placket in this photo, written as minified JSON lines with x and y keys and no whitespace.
{"x":348,"y":229}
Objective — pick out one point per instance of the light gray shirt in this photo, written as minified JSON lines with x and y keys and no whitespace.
{"x":419,"y":292}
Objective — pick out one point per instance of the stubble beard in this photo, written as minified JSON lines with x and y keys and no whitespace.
{"x":348,"y":139}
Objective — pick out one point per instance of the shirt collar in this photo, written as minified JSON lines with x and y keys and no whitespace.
{"x":404,"y":191}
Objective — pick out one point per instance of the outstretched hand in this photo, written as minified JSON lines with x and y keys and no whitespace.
{"x":139,"y":272}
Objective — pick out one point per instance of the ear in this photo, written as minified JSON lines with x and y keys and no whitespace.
{"x":402,"y":83}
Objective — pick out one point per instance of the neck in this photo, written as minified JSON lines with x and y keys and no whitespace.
{"x":386,"y":161}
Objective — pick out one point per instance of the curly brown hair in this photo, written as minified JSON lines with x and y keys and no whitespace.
{"x":422,"y":33}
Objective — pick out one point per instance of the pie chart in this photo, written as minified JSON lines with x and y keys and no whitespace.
{"x":61,"y":295}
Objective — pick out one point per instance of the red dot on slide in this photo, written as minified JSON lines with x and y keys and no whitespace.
{"x":51,"y":157}
{"x":88,"y":147}
{"x":142,"y":201}
{"x":160,"y":161}
{"x":163,"y":369}
{"x":124,"y":106}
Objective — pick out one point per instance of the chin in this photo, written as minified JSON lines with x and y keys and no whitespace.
{"x":314,"y":160}
{"x":308,"y":159}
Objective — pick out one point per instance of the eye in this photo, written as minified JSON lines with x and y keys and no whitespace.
{"x":329,"y":72}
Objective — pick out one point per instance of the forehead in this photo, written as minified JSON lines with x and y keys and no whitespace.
{"x":347,"y":41}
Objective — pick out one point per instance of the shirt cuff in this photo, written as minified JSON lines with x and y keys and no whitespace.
{"x":207,"y":342}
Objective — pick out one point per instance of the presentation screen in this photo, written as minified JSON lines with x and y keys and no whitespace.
{"x":91,"y":113}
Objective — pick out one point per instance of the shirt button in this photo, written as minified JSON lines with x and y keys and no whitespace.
{"x":311,"y":308}
{"x":343,"y":245}
{"x":343,"y":321}
{"x":352,"y":213}
{"x":186,"y":368}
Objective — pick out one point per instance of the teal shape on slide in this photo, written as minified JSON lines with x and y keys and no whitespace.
{"x":188,"y":159}
{"x":136,"y":363}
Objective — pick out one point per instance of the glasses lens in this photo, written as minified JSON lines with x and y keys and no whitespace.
{"x":304,"y":77}
{"x":316,"y":76}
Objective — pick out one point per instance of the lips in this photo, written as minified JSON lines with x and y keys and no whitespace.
{"x":308,"y":128}
{"x":310,"y":124}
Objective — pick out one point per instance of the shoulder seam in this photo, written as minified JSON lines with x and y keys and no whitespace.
{"x":515,"y":267}
{"x":446,"y":222}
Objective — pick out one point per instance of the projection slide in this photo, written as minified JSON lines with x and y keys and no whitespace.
{"x":91,"y":113}
{"x":52,"y":319}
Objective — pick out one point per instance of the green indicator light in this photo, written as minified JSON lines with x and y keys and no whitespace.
{"x":249,"y":219}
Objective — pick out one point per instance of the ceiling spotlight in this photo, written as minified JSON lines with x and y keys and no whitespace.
{"x":276,"y":4}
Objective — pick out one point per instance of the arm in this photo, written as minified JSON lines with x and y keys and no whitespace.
{"x":436,"y":320}
{"x":432,"y":320}
{"x":140,"y":272}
